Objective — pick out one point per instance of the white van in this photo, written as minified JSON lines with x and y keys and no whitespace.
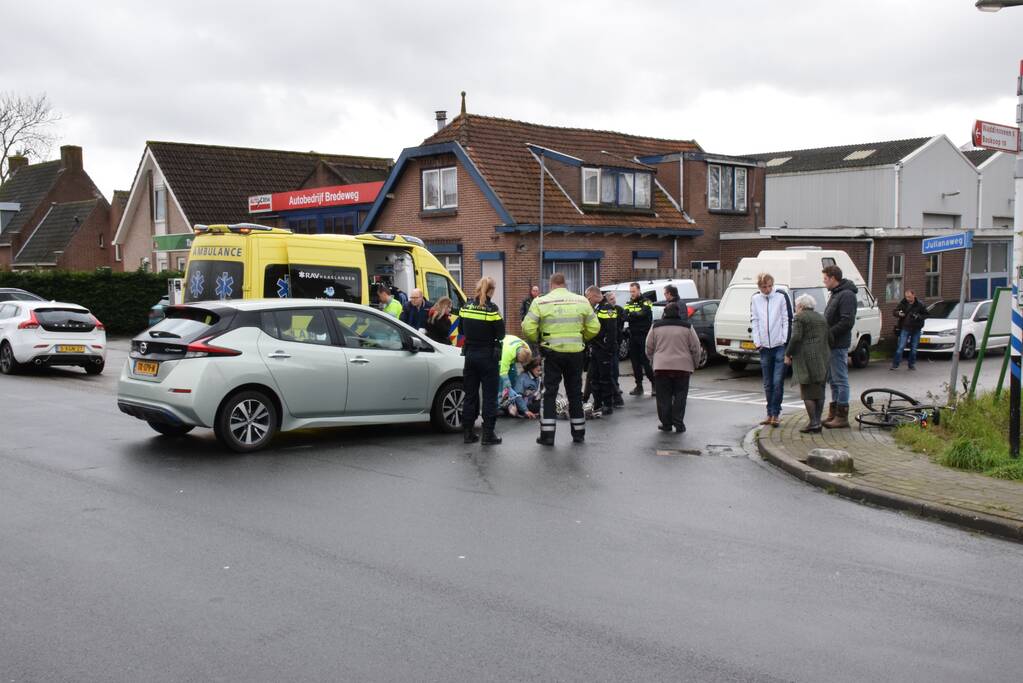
{"x":653,"y":289}
{"x":796,"y":271}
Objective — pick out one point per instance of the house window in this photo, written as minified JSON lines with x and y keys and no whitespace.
{"x":102,"y":244}
{"x":440,"y":189}
{"x":989,"y":268}
{"x":932,"y":278}
{"x":893,"y":290}
{"x":453,"y":264}
{"x":726,"y":188}
{"x":578,"y":274}
{"x":705,"y":265}
{"x":616,"y":188}
{"x":591,"y":186}
{"x":159,"y":203}
{"x":181,"y":263}
{"x":640,"y":263}
{"x":117,"y":253}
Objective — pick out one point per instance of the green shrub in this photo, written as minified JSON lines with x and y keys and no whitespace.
{"x":120,"y":300}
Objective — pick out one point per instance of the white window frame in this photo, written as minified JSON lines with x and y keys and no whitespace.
{"x":591,"y":173}
{"x":894,"y":275}
{"x":159,"y":203}
{"x":649,"y":179}
{"x":713,"y":197}
{"x":739,"y":204}
{"x":453,"y":264}
{"x":117,"y":253}
{"x":705,"y":265}
{"x":449,"y":172}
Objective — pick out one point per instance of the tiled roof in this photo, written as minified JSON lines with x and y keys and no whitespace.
{"x":498,"y":148}
{"x":55,"y":232}
{"x":979,"y":156}
{"x":844,"y":156}
{"x":28,"y":186}
{"x":213,"y":183}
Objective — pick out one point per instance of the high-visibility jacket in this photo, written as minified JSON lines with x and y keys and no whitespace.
{"x":393,"y":307}
{"x":561,"y":321}
{"x":639,"y":313}
{"x":509,"y":350}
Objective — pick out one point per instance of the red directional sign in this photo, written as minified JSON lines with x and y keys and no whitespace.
{"x":996,"y":136}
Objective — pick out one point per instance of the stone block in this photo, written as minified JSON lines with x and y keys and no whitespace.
{"x":829,"y":460}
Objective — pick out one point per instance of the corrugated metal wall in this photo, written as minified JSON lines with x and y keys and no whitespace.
{"x":853,"y":198}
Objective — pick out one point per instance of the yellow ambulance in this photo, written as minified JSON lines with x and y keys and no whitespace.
{"x":248,"y":261}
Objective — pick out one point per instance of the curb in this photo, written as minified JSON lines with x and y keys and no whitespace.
{"x":969,"y":519}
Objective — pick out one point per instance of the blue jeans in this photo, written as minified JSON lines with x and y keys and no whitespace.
{"x":772,"y":367}
{"x":914,"y":340}
{"x":838,"y":376}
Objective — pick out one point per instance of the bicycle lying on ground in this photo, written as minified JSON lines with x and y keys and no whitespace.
{"x":891,"y":408}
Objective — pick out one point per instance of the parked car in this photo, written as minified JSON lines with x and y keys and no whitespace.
{"x":250,"y":368}
{"x":156,"y":313}
{"x":796,"y":271}
{"x":43,"y":333}
{"x":938,"y":333}
{"x":701,"y":313}
{"x":15,"y":294}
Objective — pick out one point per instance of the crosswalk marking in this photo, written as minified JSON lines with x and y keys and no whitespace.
{"x":744,"y":397}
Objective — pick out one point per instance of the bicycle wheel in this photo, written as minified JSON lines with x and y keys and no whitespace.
{"x":877,"y":418}
{"x":887,"y":400}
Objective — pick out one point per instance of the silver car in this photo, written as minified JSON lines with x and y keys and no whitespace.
{"x":250,"y":368}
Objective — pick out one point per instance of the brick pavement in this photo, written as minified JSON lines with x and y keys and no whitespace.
{"x":889,"y":475}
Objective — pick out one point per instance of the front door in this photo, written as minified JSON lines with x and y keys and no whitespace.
{"x":310,"y":370}
{"x":383,"y":377}
{"x":495,"y":270}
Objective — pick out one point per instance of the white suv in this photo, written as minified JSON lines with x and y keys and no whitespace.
{"x":250,"y":368}
{"x":45,"y":333}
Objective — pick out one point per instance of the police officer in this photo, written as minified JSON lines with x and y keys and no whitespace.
{"x":639,"y":313}
{"x":483,"y":328}
{"x":602,"y":349}
{"x":561,"y":323}
{"x":620,"y":312}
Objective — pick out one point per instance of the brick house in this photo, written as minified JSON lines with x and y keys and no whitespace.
{"x":878,"y":201}
{"x":613,"y":203}
{"x":178,"y":185}
{"x":52,"y":215}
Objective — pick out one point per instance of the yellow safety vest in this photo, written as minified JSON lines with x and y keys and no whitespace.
{"x":561,"y":321}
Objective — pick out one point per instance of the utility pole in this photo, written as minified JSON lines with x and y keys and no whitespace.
{"x":1017,"y":281}
{"x":543,"y":172}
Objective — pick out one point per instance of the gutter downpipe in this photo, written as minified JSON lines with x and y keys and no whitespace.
{"x":898,"y":192}
{"x":674,"y":252}
{"x":681,"y":206}
{"x":870,"y":264}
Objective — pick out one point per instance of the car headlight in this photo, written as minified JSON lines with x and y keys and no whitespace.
{"x":945,"y":333}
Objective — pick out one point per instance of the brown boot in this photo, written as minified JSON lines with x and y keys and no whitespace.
{"x":841,"y":420}
{"x":831,"y":415}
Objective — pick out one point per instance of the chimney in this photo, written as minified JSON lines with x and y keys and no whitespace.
{"x":16,"y":161}
{"x":71,"y":158}
{"x":442,"y":118}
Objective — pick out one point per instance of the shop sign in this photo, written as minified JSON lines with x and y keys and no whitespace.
{"x":316,"y":198}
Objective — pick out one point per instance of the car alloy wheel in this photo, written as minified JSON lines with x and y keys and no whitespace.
{"x":704,"y":355}
{"x":968,"y":349}
{"x":447,"y":407}
{"x":8,"y":365}
{"x":246,"y":421}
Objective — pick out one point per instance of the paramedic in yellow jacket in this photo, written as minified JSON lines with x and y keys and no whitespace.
{"x":561,"y":323}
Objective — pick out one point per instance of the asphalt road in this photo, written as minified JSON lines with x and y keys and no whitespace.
{"x":400,"y":554}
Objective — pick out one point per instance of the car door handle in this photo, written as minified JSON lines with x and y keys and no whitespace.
{"x":360,"y":360}
{"x":278,"y":354}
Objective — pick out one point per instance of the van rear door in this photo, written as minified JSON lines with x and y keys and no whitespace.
{"x":732,"y":322}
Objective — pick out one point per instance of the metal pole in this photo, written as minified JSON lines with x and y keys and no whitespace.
{"x":1016,"y":342}
{"x":543,"y":171}
{"x":959,"y":327}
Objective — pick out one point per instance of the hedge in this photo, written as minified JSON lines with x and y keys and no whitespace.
{"x":120,"y":300}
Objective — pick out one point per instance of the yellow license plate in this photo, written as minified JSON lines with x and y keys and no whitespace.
{"x":146,"y":367}
{"x":925,"y":340}
{"x":748,"y":346}
{"x":70,"y":348}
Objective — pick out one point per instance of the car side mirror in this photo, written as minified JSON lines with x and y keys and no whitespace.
{"x":981,"y":319}
{"x":417,"y":344}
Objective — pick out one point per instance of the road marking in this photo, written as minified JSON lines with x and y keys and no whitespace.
{"x":746,"y":397}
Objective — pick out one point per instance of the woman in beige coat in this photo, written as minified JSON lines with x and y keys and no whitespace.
{"x":674,"y":350}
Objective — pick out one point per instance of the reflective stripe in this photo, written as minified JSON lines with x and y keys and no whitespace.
{"x":577,"y":420}
{"x":577,"y":339}
{"x":547,"y":428}
{"x":568,"y":319}
{"x":548,"y":421}
{"x":531,"y":316}
{"x":478,"y":315}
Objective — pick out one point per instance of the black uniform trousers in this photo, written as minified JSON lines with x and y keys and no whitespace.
{"x":640,"y":362}
{"x":481,"y":370}
{"x":601,"y":378}
{"x":558,"y":366}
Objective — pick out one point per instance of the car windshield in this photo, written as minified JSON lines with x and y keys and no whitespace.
{"x":951,"y":309}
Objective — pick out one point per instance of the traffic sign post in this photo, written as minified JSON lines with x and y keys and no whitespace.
{"x":936,"y":245}
{"x":1016,"y":341}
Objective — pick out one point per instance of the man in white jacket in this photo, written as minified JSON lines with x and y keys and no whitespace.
{"x":771,"y":317}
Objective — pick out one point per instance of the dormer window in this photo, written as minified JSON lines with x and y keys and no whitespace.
{"x":726,"y":188}
{"x":616,"y":188}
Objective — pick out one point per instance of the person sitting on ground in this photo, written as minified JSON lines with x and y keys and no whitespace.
{"x":808,"y":353}
{"x":525,"y":394}
{"x":438,"y":321}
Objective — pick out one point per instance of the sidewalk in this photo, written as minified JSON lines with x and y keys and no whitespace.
{"x":890,"y":476}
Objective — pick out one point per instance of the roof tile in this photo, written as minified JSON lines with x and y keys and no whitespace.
{"x":55,"y":231}
{"x":826,"y":158}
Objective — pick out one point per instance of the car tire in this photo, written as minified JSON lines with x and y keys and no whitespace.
{"x":446,"y":413}
{"x":704,"y":356}
{"x":968,"y":349}
{"x":246,"y":421}
{"x":8,"y":365}
{"x":169,"y":429}
{"x":737,"y":365}
{"x":861,"y":354}
{"x":94,"y":368}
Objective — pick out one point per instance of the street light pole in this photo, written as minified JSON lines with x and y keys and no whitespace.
{"x":1017,"y":282}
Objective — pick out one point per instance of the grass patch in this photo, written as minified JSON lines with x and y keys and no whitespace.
{"x":973,"y":438}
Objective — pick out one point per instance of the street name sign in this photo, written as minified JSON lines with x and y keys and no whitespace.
{"x":960,"y":240}
{"x":996,"y":136}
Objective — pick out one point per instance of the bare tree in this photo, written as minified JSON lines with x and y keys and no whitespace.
{"x":26,"y":127}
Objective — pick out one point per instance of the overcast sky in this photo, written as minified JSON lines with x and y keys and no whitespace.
{"x":365,"y":77}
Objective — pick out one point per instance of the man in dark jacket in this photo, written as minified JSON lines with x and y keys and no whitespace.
{"x":416,"y":312}
{"x":602,"y":349}
{"x":841,"y":318}
{"x":534,"y":292}
{"x":909,"y":320}
{"x":639,"y":313}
